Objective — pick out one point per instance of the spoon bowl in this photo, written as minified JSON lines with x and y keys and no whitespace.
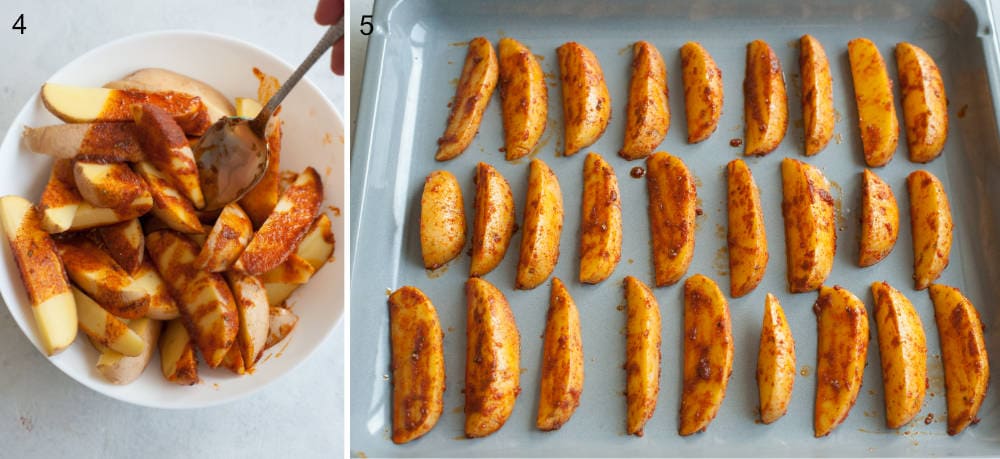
{"x":231,"y":159}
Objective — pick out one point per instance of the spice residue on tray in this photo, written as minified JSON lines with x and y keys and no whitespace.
{"x":735,"y":142}
{"x":637,"y":172}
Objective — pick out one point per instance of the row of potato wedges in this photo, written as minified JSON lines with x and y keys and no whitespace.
{"x":492,"y":368}
{"x":587,"y":105}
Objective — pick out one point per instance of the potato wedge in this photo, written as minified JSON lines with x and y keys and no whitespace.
{"x":281,"y":322}
{"x":873,"y":95}
{"x":111,"y":185}
{"x":925,"y":105}
{"x":703,"y":94}
{"x":418,"y":374}
{"x":963,"y":352}
{"x":224,"y":244}
{"x":120,"y":369}
{"x":708,"y":353}
{"x":524,"y":98}
{"x":642,"y":354}
{"x":315,"y":249}
{"x":318,"y":245}
{"x":810,"y":225}
{"x":125,"y":243}
{"x":586,"y":103}
{"x":178,"y":361}
{"x":601,"y":225}
{"x":902,"y":348}
{"x":74,"y":104}
{"x":543,"y":221}
{"x":818,"y":115}
{"x":647,"y":116}
{"x":494,"y":224}
{"x":746,"y":236}
{"x":97,"y":274}
{"x":233,"y":361}
{"x":562,"y":361}
{"x":765,"y":103}
{"x":88,"y":216}
{"x":42,"y":274}
{"x":162,"y":305}
{"x":60,"y":199}
{"x":167,"y":149}
{"x":442,"y":219}
{"x":775,"y":362}
{"x":94,"y":142}
{"x":253,"y":310}
{"x":841,"y":353}
{"x":930,"y":221}
{"x":475,"y":88}
{"x":168,"y":204}
{"x":105,"y":328}
{"x":156,"y":79}
{"x":294,"y":270}
{"x":673,"y":206}
{"x":879,"y":219}
{"x":492,"y":359}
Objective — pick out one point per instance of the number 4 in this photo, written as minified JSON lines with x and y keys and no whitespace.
{"x":19,"y":24}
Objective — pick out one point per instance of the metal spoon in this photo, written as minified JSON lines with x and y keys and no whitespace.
{"x":232,"y":155}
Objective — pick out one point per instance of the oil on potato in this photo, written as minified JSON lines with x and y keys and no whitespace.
{"x":475,"y":88}
{"x":524,"y":98}
{"x":418,"y":374}
{"x":746,"y":236}
{"x":586,"y":103}
{"x":925,"y":105}
{"x":879,"y":219}
{"x":543,"y":221}
{"x":703,"y":93}
{"x":601,"y":225}
{"x":642,"y":354}
{"x":562,"y":361}
{"x":494,"y":224}
{"x":902,"y":346}
{"x":818,"y":116}
{"x":708,"y":354}
{"x":963,"y":353}
{"x":873,"y":96}
{"x":931,"y":224}
{"x":841,"y":353}
{"x":673,"y":206}
{"x":492,"y":359}
{"x":775,"y":362}
{"x":647,"y":115}
{"x":765,"y":103}
{"x":442,"y":219}
{"x":810,"y":225}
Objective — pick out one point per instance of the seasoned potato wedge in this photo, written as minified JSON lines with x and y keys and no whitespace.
{"x":925,"y":105}
{"x":601,"y":225}
{"x":96,"y":273}
{"x":494,"y":221}
{"x":60,"y":199}
{"x":817,"y":95}
{"x":492,"y":359}
{"x":94,"y":142}
{"x":121,"y":369}
{"x":167,"y":149}
{"x":562,"y":361}
{"x":417,"y":364}
{"x":294,"y":270}
{"x":253,"y":310}
{"x":112,"y":185}
{"x":673,"y":206}
{"x":703,"y":94}
{"x":841,"y":353}
{"x":178,"y":361}
{"x":586,"y":103}
{"x":879,"y":219}
{"x":475,"y":88}
{"x":642,"y":354}
{"x":930,"y":221}
{"x":88,"y":216}
{"x":156,"y":79}
{"x":873,"y":95}
{"x":708,"y":353}
{"x":74,"y":104}
{"x":902,"y":347}
{"x":543,"y":221}
{"x":963,"y":352}
{"x":746,"y":236}
{"x":442,"y":219}
{"x":318,"y":245}
{"x":775,"y":362}
{"x":810,"y":225}
{"x":765,"y":103}
{"x":168,"y":204}
{"x":224,"y":244}
{"x":281,"y":322}
{"x":105,"y":328}
{"x":125,"y":243}
{"x":161,"y":303}
{"x":524,"y":98}
{"x":647,"y":116}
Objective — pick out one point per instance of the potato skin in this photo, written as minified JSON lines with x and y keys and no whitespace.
{"x":817,"y":95}
{"x":524,"y":98}
{"x":703,"y":94}
{"x":586,"y":103}
{"x":810,"y":225}
{"x":562,"y":361}
{"x":841,"y":350}
{"x":601,"y":224}
{"x":543,"y":221}
{"x":418,"y":376}
{"x":873,"y":95}
{"x":879,"y":219}
{"x":492,"y":359}
{"x":902,"y":346}
{"x":746,"y":237}
{"x":647,"y":116}
{"x":475,"y":88}
{"x":442,"y":219}
{"x":673,"y":206}
{"x":642,"y":354}
{"x":765,"y":106}
{"x":925,"y":105}
{"x":494,"y":221}
{"x":708,"y":353}
{"x":930,"y":221}
{"x":775,"y":362}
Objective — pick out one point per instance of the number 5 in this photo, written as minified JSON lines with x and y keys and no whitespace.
{"x":19,"y":24}
{"x":366,"y":21}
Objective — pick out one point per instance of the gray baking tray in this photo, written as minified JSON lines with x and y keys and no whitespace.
{"x":414,"y":59}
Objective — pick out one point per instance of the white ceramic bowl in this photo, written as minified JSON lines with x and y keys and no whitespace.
{"x":313,"y":136}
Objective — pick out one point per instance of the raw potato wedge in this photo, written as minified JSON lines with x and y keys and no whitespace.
{"x":775,"y":362}
{"x":708,"y":353}
{"x":925,"y":105}
{"x":253,"y":310}
{"x":95,"y":142}
{"x":168,"y":204}
{"x":562,"y":361}
{"x":156,"y":79}
{"x":167,"y":149}
{"x":601,"y":225}
{"x":647,"y":116}
{"x":703,"y":94}
{"x":42,"y":274}
{"x":817,"y":95}
{"x":178,"y":361}
{"x":261,"y":199}
{"x":281,"y":322}
{"x":963,"y":352}
{"x":810,"y":225}
{"x":442,"y":219}
{"x":418,"y":374}
{"x":494,"y":220}
{"x":120,"y":369}
{"x":524,"y":98}
{"x":586,"y":103}
{"x":293,"y":270}
{"x":125,"y":243}
{"x":673,"y":206}
{"x":765,"y":103}
{"x":475,"y":88}
{"x":642,"y":354}
{"x":902,"y":347}
{"x":930,"y":221}
{"x":873,"y":95}
{"x":161,"y":304}
{"x":60,"y":199}
{"x":543,"y":221}
{"x":746,"y":236}
{"x":88,"y":216}
{"x":105,"y":328}
{"x":319,"y":244}
{"x":74,"y":104}
{"x":879,"y":219}
{"x":841,"y":352}
{"x":96,"y":273}
{"x":111,"y":185}
{"x":492,"y":359}
{"x":224,"y":244}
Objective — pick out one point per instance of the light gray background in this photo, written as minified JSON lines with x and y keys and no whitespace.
{"x":44,"y":413}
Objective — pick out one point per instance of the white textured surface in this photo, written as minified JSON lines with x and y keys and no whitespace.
{"x":44,"y":413}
